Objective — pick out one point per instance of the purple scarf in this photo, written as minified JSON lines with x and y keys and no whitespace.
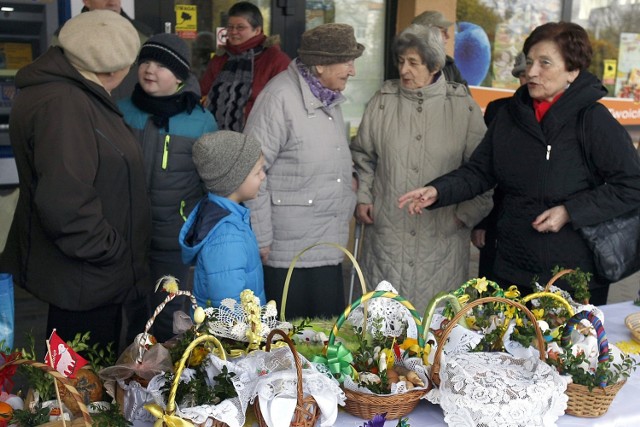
{"x":325,"y":95}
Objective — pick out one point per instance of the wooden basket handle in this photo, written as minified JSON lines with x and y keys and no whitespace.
{"x":62,"y":379}
{"x":296,"y":359}
{"x":285,"y":291}
{"x":435,"y":368}
{"x":556,"y":276}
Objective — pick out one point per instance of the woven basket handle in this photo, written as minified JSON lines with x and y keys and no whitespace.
{"x":171,"y":402}
{"x":563,"y":302}
{"x":430,"y":311}
{"x":556,"y":276}
{"x":435,"y":368}
{"x":603,"y":343}
{"x":296,"y":359}
{"x":62,"y":379}
{"x":285,"y":291}
{"x":378,"y":294}
{"x":147,"y":327}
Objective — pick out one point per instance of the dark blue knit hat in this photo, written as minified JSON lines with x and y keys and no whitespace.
{"x":170,"y":51}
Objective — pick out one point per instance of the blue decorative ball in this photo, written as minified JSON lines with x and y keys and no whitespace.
{"x":472,"y":52}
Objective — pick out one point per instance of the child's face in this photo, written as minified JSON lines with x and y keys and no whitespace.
{"x":249,"y":188}
{"x":156,"y":79}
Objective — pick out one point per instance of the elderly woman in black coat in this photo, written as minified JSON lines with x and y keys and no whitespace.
{"x":532,"y":151}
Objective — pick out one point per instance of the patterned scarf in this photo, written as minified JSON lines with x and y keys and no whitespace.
{"x":325,"y":95}
{"x":162,"y":108}
{"x":232,"y":88}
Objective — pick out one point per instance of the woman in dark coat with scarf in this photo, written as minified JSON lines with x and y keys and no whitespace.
{"x":533,"y":153}
{"x":234,"y":79}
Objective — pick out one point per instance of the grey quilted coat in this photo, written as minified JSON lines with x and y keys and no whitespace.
{"x":307,"y":196}
{"x":407,"y":138}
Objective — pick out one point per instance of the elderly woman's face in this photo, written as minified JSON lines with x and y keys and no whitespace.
{"x":546,"y":72}
{"x":414,"y":74}
{"x":335,"y":76}
{"x":239,"y":30}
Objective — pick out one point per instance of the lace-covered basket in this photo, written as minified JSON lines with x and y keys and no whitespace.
{"x":363,"y":403}
{"x":496,"y":389}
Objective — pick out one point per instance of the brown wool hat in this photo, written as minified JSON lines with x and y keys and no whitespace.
{"x":100,"y":41}
{"x":329,"y":44}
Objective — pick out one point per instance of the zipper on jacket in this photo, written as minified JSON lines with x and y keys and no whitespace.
{"x":183,"y":204}
{"x":548,"y":151}
{"x":165,"y":153}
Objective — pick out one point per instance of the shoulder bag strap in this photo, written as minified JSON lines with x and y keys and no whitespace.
{"x":582,"y":140}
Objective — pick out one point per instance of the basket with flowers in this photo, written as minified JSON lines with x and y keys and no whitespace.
{"x":386,"y":370}
{"x":597,"y":369}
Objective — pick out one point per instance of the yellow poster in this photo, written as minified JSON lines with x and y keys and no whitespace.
{"x":186,"y":20}
{"x":609,"y":72}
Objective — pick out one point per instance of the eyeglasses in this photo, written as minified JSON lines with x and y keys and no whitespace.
{"x":238,"y":28}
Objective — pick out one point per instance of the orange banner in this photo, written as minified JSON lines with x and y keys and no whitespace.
{"x":626,"y":111}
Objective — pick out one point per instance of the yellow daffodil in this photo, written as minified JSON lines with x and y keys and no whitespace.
{"x":538,"y":312}
{"x":510,"y":311}
{"x":512,"y":292}
{"x":463,"y":299}
{"x":471,"y":321}
{"x":410,"y":344}
{"x":481,"y":284}
{"x":519,"y":321}
{"x":197,"y":356}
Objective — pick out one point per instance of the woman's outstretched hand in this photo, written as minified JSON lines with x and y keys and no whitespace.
{"x":418,"y":199}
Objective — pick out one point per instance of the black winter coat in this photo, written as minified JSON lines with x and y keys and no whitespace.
{"x":80,"y":234}
{"x":539,"y":166}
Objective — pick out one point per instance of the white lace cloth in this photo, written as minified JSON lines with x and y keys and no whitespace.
{"x":392,"y":313}
{"x":231,"y":321}
{"x":271,"y":378}
{"x":496,"y":389}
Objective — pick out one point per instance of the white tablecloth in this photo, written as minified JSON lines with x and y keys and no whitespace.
{"x":623,"y":412}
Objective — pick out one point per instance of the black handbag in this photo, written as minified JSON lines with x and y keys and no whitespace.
{"x":615,"y":243}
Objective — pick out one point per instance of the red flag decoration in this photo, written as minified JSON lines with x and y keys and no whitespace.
{"x":62,"y":358}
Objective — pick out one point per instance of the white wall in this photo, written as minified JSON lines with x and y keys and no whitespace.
{"x":127,"y":6}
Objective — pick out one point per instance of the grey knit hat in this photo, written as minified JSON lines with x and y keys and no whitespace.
{"x":170,"y":51}
{"x":224,"y":159}
{"x":329,"y":44}
{"x":432,"y":18}
{"x":519,"y":66}
{"x":100,"y":41}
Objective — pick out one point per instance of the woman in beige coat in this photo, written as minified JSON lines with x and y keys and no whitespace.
{"x":413,"y":130}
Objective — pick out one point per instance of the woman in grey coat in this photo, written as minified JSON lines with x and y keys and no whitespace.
{"x":415,"y":128}
{"x":307,"y":196}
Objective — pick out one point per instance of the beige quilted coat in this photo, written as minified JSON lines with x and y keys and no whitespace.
{"x":406,"y":139}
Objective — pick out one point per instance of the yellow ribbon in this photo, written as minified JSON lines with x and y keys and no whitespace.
{"x":164,"y":419}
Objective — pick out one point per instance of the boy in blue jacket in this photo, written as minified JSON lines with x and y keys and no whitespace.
{"x":217,"y":236}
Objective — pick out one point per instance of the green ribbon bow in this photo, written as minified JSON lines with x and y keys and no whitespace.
{"x":338,"y":361}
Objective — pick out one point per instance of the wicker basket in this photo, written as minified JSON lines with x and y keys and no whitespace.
{"x":582,"y":401}
{"x":307,"y":411}
{"x":435,"y":368}
{"x":365,"y":405}
{"x":61,"y":379}
{"x":633,"y":323}
{"x":168,"y":415}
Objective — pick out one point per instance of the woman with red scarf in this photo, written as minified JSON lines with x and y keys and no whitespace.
{"x":234,"y":79}
{"x":532,"y":151}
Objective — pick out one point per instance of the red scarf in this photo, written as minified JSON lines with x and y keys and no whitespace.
{"x":249,"y":44}
{"x":541,"y":107}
